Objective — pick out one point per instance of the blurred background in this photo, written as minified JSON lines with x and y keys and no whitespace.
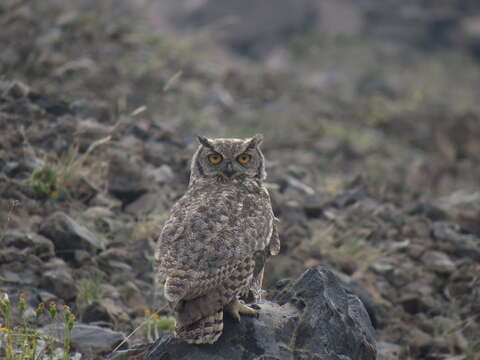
{"x":371,"y":116}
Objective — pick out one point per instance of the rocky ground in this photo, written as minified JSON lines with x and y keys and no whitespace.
{"x":373,"y":163}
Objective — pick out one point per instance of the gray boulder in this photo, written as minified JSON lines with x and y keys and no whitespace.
{"x":313,"y":318}
{"x":36,"y":244}
{"x":94,"y":339}
{"x":68,"y":236}
{"x":59,"y":282}
{"x":87,"y":339}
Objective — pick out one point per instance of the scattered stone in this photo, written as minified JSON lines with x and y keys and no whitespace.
{"x":13,"y":255}
{"x":85,"y":190}
{"x":416,"y":251}
{"x":431,"y":212}
{"x":96,"y":212}
{"x":110,"y":291}
{"x":389,"y":351}
{"x":125,"y":179}
{"x":381,"y":267}
{"x":105,"y":200}
{"x":438,"y":261}
{"x":46,"y":296}
{"x":137,"y":352}
{"x":413,"y":304}
{"x":89,"y":131}
{"x":158,"y":153}
{"x":67,"y":235}
{"x":451,"y":240}
{"x":162,"y":175}
{"x":15,"y":278}
{"x":110,"y":259}
{"x":36,"y":244}
{"x":298,"y":185}
{"x":90,"y":339}
{"x":149,"y":203}
{"x":314,"y":206}
{"x":419,"y":339}
{"x":104,"y":311}
{"x":464,"y":207}
{"x":49,"y":104}
{"x":350,"y":197}
{"x":60,"y":282}
{"x":82,"y":256}
{"x":133,"y":298}
{"x":400,"y":276}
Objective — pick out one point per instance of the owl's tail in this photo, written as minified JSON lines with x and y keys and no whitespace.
{"x":204,"y":331}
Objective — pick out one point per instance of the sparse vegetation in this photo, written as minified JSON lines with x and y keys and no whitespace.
{"x":350,"y":250}
{"x":11,"y":208}
{"x":90,"y":290}
{"x":155,"y":325}
{"x":56,"y":180}
{"x":44,"y":183}
{"x":21,"y":339}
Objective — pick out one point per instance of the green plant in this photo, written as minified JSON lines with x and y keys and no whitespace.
{"x":54,"y":180}
{"x":69,"y":319}
{"x":153,"y":324}
{"x":21,"y":340}
{"x":90,"y":290}
{"x":156,"y":324}
{"x":44,"y":182}
{"x":11,"y":208}
{"x":69,"y":164}
{"x":350,"y":250}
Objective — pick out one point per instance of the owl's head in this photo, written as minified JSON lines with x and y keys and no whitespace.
{"x":228,"y":159}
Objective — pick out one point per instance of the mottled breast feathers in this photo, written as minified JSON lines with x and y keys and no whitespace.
{"x":200,"y":237}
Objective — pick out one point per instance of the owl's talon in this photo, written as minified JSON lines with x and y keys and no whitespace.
{"x":255,"y":306}
{"x":237,"y":307}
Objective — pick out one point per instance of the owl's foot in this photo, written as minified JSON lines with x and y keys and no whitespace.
{"x":237,"y":307}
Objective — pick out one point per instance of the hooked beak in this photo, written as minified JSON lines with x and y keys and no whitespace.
{"x":229,"y":171}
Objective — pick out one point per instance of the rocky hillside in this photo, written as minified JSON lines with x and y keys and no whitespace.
{"x":373,"y":167}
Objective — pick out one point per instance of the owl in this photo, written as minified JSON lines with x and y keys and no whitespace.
{"x":212,"y":249}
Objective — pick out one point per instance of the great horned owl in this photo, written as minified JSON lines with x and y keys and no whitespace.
{"x":212,"y":249}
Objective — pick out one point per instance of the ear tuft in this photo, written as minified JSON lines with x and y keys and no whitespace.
{"x":256,"y":140}
{"x":204,"y":141}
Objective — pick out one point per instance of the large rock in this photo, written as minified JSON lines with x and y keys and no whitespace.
{"x":333,"y":323}
{"x":88,"y":339}
{"x":59,"y":282}
{"x":105,"y":311}
{"x":464,"y":207}
{"x":126,"y":180}
{"x":68,"y":236}
{"x":315,"y":318}
{"x":453,"y":241}
{"x":36,"y":244}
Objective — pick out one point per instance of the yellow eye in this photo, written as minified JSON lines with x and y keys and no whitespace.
{"x":244,"y":158}
{"x":215,"y":158}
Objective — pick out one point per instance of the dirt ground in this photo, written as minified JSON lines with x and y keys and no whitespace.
{"x":373,"y":164}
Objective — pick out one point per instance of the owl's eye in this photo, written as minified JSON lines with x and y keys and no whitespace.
{"x":215,"y":158}
{"x":244,"y":158}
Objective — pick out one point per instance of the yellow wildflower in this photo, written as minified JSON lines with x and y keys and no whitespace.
{"x":155,"y":316}
{"x":4,"y":330}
